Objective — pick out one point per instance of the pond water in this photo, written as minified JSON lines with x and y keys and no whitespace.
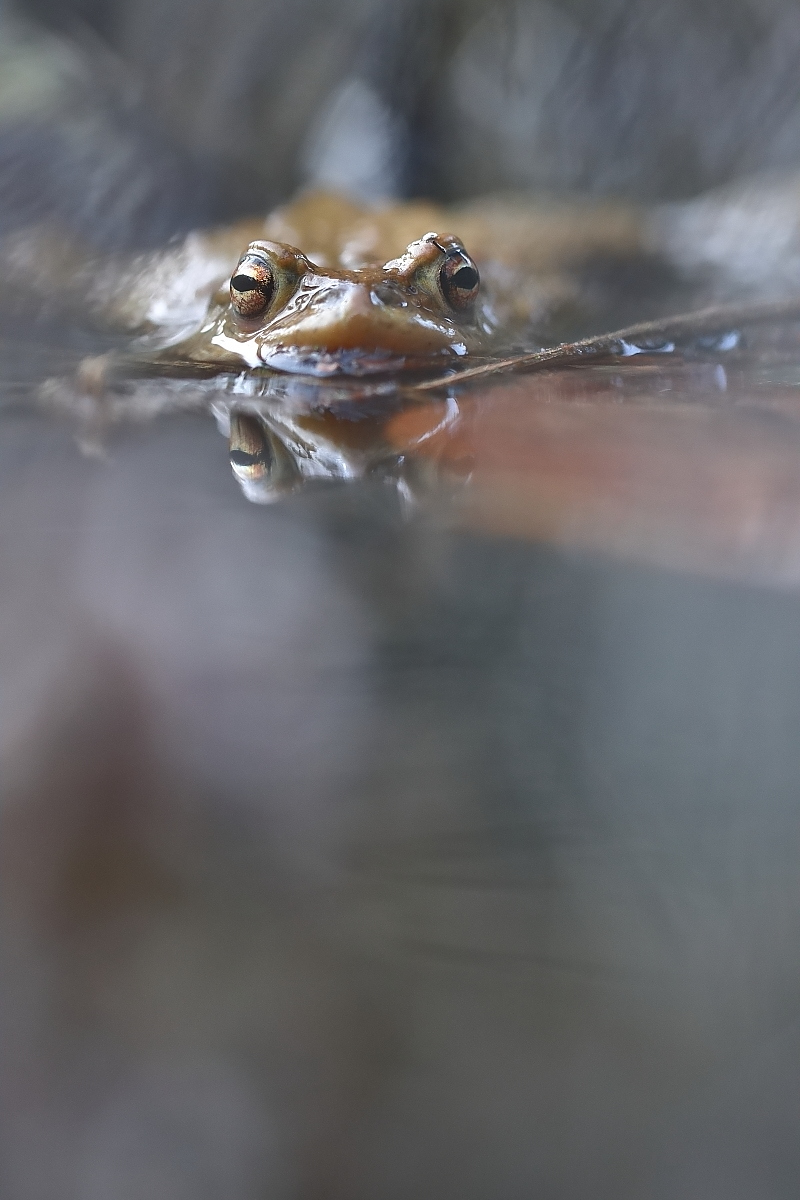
{"x":438,"y":839}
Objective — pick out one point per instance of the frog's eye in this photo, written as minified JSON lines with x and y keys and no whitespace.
{"x":252,"y":286}
{"x":459,"y":279}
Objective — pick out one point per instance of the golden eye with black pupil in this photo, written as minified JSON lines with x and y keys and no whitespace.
{"x":459,"y":280}
{"x":252,"y":286}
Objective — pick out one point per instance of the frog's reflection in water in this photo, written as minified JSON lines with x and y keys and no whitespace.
{"x":685,"y":464}
{"x":277,"y":448}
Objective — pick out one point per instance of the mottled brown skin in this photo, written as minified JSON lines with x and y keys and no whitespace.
{"x":419,"y":309}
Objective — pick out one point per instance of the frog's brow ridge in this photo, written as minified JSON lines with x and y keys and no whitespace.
{"x":456,"y":248}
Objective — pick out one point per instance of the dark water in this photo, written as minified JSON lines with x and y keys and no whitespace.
{"x":367,"y":848}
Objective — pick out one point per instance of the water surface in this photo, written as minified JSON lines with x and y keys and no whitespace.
{"x":433,"y":841}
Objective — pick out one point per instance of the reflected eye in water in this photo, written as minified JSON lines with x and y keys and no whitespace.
{"x":259,"y":460}
{"x":252,"y":286}
{"x":459,"y":280}
{"x":250,"y":453}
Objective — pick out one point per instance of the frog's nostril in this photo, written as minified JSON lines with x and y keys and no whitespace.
{"x":345,"y":298}
{"x":386,"y":294}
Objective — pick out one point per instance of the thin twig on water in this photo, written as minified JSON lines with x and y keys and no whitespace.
{"x":716,"y":319}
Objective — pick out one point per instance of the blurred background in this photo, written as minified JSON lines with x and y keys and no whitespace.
{"x":133,"y":120}
{"x":352,"y":854}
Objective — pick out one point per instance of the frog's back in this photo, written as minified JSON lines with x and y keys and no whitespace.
{"x":519,"y":232}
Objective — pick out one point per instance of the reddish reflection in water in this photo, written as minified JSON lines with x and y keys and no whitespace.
{"x":683,"y":465}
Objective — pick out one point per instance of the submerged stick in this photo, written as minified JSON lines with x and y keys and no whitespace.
{"x":717,"y":319}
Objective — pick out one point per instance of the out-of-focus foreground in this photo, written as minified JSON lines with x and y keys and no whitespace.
{"x":353,"y":850}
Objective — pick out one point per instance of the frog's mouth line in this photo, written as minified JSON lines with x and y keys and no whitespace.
{"x":355,"y":362}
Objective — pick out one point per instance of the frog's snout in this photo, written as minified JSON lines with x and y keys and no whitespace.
{"x":345,"y":300}
{"x":349,"y":315}
{"x":351,"y":300}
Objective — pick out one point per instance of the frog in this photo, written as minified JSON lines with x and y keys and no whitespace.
{"x":285,"y":312}
{"x":329,"y":291}
{"x":325,"y":286}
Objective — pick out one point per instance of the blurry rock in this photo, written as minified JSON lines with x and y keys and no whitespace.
{"x":356,"y":145}
{"x":745,"y":236}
